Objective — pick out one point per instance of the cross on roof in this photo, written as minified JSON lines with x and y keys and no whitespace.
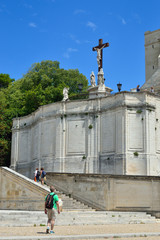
{"x":99,"y":49}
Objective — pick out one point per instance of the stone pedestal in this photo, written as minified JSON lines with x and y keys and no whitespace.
{"x":99,"y":91}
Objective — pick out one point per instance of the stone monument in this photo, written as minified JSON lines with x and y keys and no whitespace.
{"x":100,"y":90}
{"x":99,"y":49}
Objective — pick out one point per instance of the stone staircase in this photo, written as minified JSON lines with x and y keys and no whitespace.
{"x":14,"y":218}
{"x":68,"y":202}
{"x":73,"y":211}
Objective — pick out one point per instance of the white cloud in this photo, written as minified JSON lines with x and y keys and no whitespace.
{"x":79,"y":11}
{"x":34,"y":14}
{"x":87,"y":41}
{"x":32,"y":24}
{"x":123,"y":21}
{"x":4,"y":9}
{"x":73,"y":37}
{"x":27,"y":5}
{"x":77,"y":41}
{"x":72,"y":50}
{"x":91,"y":25}
{"x":69,"y":51}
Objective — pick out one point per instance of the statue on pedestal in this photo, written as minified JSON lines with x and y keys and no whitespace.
{"x":101,"y":77}
{"x":101,"y":80}
{"x":65,"y":94}
{"x":100,"y":90}
{"x":92,"y":79}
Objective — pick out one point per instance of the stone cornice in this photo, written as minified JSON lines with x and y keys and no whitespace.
{"x":121,"y":102}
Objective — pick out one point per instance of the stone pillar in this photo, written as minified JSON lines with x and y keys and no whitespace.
{"x":159,"y":61}
{"x":15,"y":144}
{"x":61,"y":138}
{"x":40,"y":160}
{"x":152,"y":165}
{"x":58,"y":148}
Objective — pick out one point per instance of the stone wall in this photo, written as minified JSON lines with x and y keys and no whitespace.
{"x":117,"y":134}
{"x":111,"y":192}
{"x":100,"y":191}
{"x":152,"y":51}
{"x":20,"y":193}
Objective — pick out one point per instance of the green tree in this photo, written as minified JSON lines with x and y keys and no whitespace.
{"x":5,"y":80}
{"x":47,"y":73}
{"x":14,"y":100}
{"x":33,"y":99}
{"x":72,"y":78}
{"x":42,"y":84}
{"x":40,"y":73}
{"x":5,"y":138}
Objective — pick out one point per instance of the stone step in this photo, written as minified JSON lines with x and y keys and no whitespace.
{"x":80,"y":218}
{"x":68,"y":202}
{"x":27,"y":218}
{"x":75,"y":206}
{"x":92,"y":213}
{"x":62,"y":223}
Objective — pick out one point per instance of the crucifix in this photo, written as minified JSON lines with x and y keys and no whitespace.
{"x":99,"y":52}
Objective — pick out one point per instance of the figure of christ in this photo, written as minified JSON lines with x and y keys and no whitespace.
{"x":99,"y":52}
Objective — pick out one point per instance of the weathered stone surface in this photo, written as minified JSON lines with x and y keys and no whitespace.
{"x":20,"y":193}
{"x":152,"y":60}
{"x":117,"y":134}
{"x":100,"y":191}
{"x":111,"y":192}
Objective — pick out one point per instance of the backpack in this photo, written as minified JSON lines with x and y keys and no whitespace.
{"x":38,"y":173}
{"x":43,"y":174}
{"x":49,"y":201}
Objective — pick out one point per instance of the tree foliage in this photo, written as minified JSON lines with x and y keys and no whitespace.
{"x":42,"y":84}
{"x":5,"y":80}
{"x":5,"y":138}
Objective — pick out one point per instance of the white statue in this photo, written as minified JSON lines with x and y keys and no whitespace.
{"x":92,"y":79}
{"x":101,"y":77}
{"x":65,"y":94}
{"x":98,"y":56}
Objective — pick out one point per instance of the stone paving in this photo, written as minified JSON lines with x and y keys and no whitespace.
{"x":123,"y":231}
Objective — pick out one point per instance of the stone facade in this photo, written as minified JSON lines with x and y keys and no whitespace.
{"x":116,"y":134}
{"x":152,"y":51}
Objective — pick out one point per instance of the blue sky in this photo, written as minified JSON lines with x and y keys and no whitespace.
{"x":66,"y":31}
